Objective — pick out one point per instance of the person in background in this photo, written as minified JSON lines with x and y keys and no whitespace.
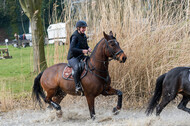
{"x":16,"y":36}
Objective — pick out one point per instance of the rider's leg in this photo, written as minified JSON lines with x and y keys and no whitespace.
{"x":77,"y":78}
{"x":74,"y":62}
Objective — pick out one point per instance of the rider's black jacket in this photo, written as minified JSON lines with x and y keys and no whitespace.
{"x":78,"y":42}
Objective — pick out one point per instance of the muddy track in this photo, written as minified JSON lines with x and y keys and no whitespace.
{"x":74,"y":116}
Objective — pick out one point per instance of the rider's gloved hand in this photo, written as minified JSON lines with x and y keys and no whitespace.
{"x":85,"y":51}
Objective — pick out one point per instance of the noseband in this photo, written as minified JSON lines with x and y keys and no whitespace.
{"x":114,"y":55}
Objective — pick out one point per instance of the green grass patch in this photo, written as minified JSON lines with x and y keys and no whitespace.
{"x":16,"y":74}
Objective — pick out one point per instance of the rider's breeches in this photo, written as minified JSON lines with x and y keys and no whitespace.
{"x":74,"y":62}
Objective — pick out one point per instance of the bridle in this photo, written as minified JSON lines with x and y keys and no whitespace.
{"x":114,"y":57}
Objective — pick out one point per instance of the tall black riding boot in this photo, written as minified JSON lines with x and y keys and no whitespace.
{"x":78,"y":87}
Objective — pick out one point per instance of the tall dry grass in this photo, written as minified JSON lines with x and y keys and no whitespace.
{"x":9,"y":100}
{"x":153,"y":34}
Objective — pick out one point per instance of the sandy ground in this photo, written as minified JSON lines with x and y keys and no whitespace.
{"x":79,"y":116}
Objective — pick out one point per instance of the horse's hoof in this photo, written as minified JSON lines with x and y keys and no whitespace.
{"x":115,"y":111}
{"x":59,"y":113}
{"x":93,"y":117}
{"x":50,"y":107}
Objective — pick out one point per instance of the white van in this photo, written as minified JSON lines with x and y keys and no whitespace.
{"x":57,"y":33}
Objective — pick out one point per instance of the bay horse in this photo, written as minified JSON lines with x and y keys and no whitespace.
{"x":169,"y":85}
{"x":97,"y":80}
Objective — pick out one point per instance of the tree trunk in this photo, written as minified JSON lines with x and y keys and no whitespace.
{"x":38,"y":43}
{"x":32,"y":9}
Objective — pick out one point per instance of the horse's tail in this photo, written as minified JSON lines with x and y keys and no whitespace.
{"x":157,"y":95}
{"x":37,"y":89}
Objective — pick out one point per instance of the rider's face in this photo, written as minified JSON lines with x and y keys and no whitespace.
{"x":82,"y":29}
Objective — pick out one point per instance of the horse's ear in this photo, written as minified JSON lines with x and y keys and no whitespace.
{"x":115,"y":35}
{"x":105,"y":35}
{"x":111,"y":33}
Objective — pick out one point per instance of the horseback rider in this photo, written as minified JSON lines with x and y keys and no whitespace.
{"x":78,"y":47}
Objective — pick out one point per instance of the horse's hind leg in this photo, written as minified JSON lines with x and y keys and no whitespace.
{"x":112,"y":91}
{"x":183,"y":103}
{"x":58,"y":97}
{"x":167,"y":97}
{"x":51,"y":93}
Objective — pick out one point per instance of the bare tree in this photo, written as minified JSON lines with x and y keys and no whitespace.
{"x":32,"y":9}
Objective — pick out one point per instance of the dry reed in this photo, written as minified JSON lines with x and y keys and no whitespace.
{"x":153,"y":34}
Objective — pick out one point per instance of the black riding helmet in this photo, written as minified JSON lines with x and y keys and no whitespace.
{"x":81,"y":23}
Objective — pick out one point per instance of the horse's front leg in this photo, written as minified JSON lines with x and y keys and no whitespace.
{"x":90,"y":100}
{"x":112,"y":91}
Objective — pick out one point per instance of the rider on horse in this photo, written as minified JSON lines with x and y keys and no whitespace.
{"x":78,"y":47}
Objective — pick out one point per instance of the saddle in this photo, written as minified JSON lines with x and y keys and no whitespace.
{"x":68,"y":71}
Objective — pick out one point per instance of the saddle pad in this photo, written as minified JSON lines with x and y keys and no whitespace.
{"x":67,"y":73}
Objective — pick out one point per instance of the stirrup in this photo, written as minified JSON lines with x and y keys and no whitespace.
{"x":78,"y":89}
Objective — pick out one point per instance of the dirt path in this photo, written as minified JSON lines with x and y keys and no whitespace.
{"x":74,"y":116}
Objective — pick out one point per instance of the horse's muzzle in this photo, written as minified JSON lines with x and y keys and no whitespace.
{"x":122,"y":58}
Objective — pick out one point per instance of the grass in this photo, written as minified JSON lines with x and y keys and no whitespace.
{"x":19,"y":64}
{"x":16,"y":74}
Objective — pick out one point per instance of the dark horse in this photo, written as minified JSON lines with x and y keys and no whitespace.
{"x":168,"y":85}
{"x":97,"y":80}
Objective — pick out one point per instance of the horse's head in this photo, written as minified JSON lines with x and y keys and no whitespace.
{"x":112,"y":48}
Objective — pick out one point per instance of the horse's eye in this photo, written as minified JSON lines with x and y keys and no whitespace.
{"x":113,"y":44}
